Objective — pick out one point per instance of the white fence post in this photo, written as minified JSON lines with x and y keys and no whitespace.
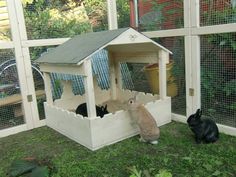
{"x":112,"y":14}
{"x":23,"y":61}
{"x":20,"y":62}
{"x":192,"y":56}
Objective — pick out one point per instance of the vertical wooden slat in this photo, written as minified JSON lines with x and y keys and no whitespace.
{"x":89,"y":89}
{"x":188,"y":56}
{"x":163,"y":58}
{"x":48,"y":90}
{"x":112,"y":14}
{"x":112,"y":75}
{"x":27,"y":62}
{"x":16,"y":36}
{"x":195,"y":49}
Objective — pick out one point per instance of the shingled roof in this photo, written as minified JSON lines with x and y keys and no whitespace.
{"x":83,"y":46}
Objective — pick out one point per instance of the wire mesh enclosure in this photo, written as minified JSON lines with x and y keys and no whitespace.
{"x":160,"y":14}
{"x":217,"y":12}
{"x":56,"y":19}
{"x":218,"y":77}
{"x":11,"y":110}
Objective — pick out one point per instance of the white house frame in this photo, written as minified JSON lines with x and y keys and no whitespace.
{"x":73,"y":57}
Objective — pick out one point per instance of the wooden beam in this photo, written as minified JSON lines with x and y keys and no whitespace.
{"x":163,"y":58}
{"x":89,"y":89}
{"x":48,"y":90}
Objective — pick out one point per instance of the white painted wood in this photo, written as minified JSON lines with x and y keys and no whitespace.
{"x":44,"y":42}
{"x":64,"y":69}
{"x":19,"y":53}
{"x":112,"y":75}
{"x":224,"y":28}
{"x":48,"y":90}
{"x":118,"y":74}
{"x":131,"y":36}
{"x":96,"y":133}
{"x":195,"y":56}
{"x":69,"y":124}
{"x":13,"y":130}
{"x":138,"y":57}
{"x":196,"y":75}
{"x":89,"y":89}
{"x":112,"y":14}
{"x":163,"y":60}
{"x":166,"y":33}
{"x":188,"y":56}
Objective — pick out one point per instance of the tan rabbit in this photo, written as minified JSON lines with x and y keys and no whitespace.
{"x":149,"y":131}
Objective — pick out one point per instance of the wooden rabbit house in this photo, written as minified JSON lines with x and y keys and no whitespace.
{"x":74,"y":57}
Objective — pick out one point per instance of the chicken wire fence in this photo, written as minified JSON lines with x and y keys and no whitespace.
{"x":46,"y":20}
{"x":11,"y":111}
{"x":217,"y":12}
{"x":218,"y":77}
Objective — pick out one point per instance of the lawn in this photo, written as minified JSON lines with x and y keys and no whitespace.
{"x":176,"y":153}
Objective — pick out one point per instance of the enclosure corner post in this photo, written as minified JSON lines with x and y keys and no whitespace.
{"x":89,"y":89}
{"x":113,"y":79}
{"x":48,"y":90}
{"x":112,"y":14}
{"x":163,"y":60}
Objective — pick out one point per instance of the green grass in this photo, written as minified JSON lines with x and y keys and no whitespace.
{"x":176,"y":152}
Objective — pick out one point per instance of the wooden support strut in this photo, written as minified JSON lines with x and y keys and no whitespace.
{"x":89,"y":89}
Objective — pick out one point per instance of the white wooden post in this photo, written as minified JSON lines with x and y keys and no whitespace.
{"x":163,"y":59}
{"x":89,"y":89}
{"x":48,"y":90}
{"x":195,"y":48}
{"x":118,"y":74}
{"x":23,"y":62}
{"x":112,"y":14}
{"x":20,"y":62}
{"x":192,"y":57}
{"x":113,"y":79}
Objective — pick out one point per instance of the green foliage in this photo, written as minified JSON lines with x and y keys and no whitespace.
{"x":163,"y":173}
{"x":138,"y":173}
{"x":51,"y":22}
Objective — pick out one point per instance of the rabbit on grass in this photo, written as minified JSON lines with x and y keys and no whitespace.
{"x":149,"y":131}
{"x":205,"y":130}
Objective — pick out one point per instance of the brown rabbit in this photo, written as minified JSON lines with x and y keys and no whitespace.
{"x":149,"y":131}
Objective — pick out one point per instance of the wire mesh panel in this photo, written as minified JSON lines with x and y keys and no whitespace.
{"x":160,"y":14}
{"x":215,"y":12}
{"x":5,"y":33}
{"x":218,"y":77}
{"x":35,"y":52}
{"x":11,"y":112}
{"x":175,"y":73}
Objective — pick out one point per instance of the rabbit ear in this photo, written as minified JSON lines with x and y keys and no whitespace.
{"x":199,"y":113}
{"x":105,"y":107}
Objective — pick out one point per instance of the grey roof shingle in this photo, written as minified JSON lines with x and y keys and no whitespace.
{"x":79,"y":47}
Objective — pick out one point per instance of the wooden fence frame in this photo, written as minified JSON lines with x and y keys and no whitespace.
{"x":191,"y":33}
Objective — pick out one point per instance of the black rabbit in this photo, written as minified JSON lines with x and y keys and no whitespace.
{"x":82,"y":109}
{"x":205,"y":130}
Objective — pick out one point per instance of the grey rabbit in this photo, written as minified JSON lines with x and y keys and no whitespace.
{"x":205,"y":130}
{"x":149,"y":131}
{"x":82,"y":110}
